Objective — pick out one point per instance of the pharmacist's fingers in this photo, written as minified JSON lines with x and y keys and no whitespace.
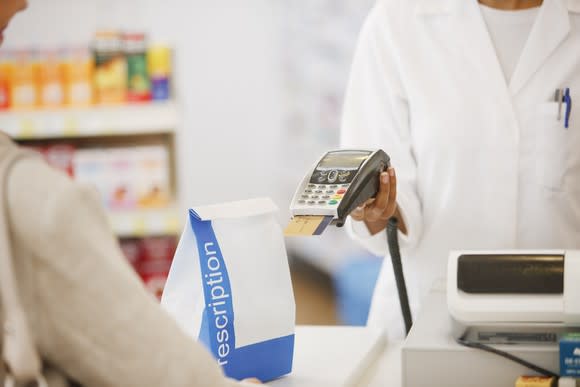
{"x":376,"y":211}
{"x":359,"y":212}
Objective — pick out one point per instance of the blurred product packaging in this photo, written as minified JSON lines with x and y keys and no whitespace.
{"x":119,"y":68}
{"x":51,"y":78}
{"x":61,"y":156}
{"x":78,"y":77}
{"x":151,"y":258}
{"x":127,"y":178}
{"x":110,"y":68}
{"x":159,"y":64}
{"x":138,"y":83}
{"x":120,"y":171}
{"x":24,"y":88}
{"x":152,"y":176}
{"x":5,"y":80}
{"x":156,"y":258}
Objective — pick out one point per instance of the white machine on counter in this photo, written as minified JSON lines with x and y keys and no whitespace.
{"x":515,"y":302}
{"x":499,"y":287}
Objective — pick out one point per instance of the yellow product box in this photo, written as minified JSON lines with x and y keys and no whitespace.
{"x":536,"y":381}
{"x":152,"y":178}
{"x":110,"y":75}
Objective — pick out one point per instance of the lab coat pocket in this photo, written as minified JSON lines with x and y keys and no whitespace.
{"x":557,"y":148}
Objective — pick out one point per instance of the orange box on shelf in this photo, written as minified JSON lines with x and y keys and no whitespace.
{"x":78,"y":68}
{"x":51,"y":79}
{"x":5,"y":79}
{"x":24,"y":83}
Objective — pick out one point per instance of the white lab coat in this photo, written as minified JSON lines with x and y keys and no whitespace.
{"x":481,"y":164}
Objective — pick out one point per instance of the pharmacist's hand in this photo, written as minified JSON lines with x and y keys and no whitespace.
{"x":376,"y":212}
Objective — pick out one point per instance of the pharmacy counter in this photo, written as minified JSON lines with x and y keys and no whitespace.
{"x":342,"y":356}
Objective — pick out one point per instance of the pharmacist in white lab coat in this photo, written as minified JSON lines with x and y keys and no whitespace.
{"x":461,"y":95}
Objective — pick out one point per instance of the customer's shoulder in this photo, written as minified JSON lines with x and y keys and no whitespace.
{"x":44,"y":200}
{"x":34,"y":174}
{"x":33,"y":185}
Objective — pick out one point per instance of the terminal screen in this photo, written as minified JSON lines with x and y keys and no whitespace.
{"x":343,"y":160}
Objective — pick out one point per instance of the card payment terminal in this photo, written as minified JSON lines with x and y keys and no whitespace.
{"x":338,"y":183}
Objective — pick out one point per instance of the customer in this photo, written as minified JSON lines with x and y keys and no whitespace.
{"x":92,"y":320}
{"x":461,"y":95}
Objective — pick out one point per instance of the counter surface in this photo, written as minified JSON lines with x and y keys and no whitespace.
{"x":337,"y":356}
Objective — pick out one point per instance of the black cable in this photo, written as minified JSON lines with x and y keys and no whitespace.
{"x":395,"y":252}
{"x":509,"y":356}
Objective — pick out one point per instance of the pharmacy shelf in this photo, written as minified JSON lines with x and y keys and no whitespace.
{"x":142,"y":223}
{"x":145,"y":118}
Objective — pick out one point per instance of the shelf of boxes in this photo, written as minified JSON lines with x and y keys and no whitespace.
{"x":122,"y":120}
{"x":103,"y":114}
{"x":143,"y":223}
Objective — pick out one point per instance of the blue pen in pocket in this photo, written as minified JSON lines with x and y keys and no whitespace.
{"x":568,"y":102}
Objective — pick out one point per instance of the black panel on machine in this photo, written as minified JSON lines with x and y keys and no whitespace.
{"x":511,"y":274}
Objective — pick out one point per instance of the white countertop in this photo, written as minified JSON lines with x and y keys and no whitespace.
{"x":338,"y":356}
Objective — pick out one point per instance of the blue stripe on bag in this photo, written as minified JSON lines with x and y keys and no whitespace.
{"x":219,"y":310}
{"x":266,"y":360}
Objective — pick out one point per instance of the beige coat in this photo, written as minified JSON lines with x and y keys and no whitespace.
{"x":92,"y":319}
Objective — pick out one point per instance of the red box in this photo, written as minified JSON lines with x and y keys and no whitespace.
{"x":157,"y":255}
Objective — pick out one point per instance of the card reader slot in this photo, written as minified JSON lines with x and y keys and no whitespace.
{"x":511,"y":274}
